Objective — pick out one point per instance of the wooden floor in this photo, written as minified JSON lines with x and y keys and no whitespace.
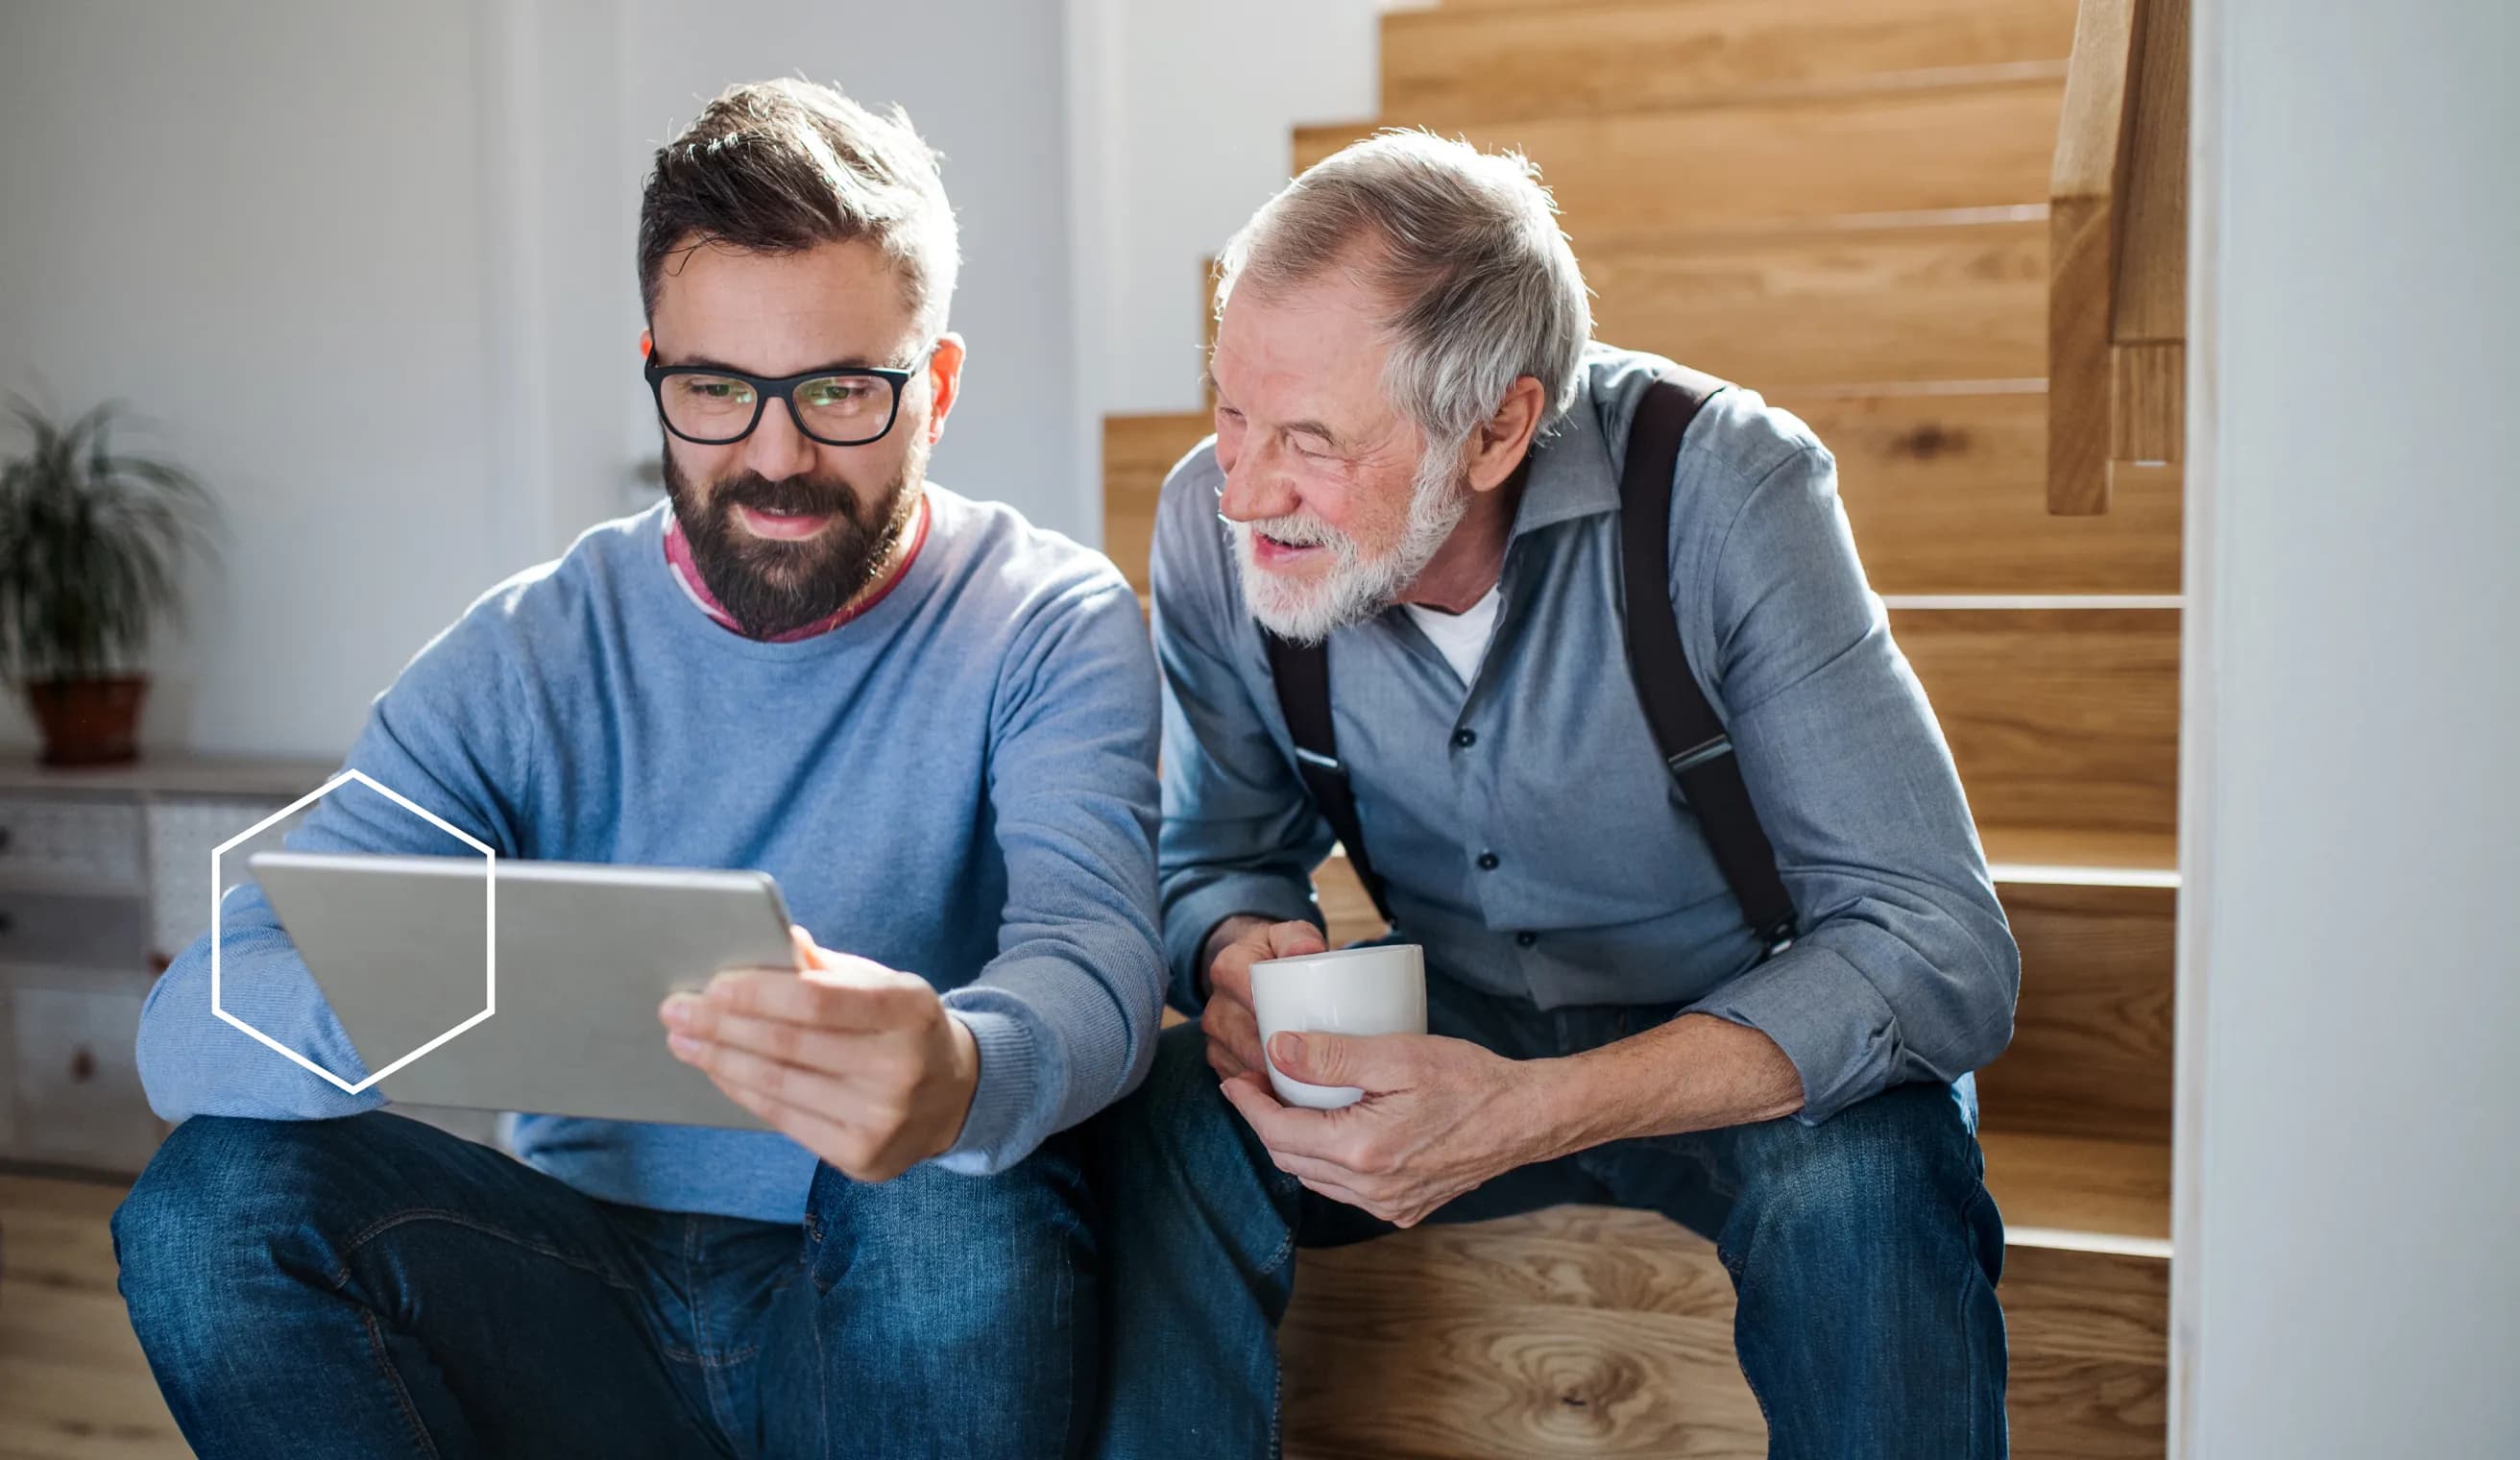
{"x":72,"y":1384}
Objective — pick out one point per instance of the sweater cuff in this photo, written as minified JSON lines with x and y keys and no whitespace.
{"x":1828,"y":1019}
{"x":1190,"y":916}
{"x":1002,"y":1099}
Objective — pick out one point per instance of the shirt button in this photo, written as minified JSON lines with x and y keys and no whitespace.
{"x":1526,"y":938}
{"x":1463,"y":739}
{"x":1487,"y":861}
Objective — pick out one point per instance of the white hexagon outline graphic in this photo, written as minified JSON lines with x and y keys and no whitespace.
{"x":490,"y":939}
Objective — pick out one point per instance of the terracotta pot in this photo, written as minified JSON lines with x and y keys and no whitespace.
{"x":89,"y":721}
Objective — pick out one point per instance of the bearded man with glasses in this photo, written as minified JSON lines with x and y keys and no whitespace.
{"x":933,"y":723}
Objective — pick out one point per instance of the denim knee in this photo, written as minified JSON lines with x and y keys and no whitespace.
{"x":218,"y":1191}
{"x":958,"y":1247}
{"x":1897,"y":1174}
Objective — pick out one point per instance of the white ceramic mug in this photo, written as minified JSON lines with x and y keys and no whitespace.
{"x":1380,"y":990}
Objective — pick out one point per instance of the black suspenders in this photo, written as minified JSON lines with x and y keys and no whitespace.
{"x":1684,"y":726}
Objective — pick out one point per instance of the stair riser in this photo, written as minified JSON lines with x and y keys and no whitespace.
{"x":1957,"y":301}
{"x":2092,"y":1050}
{"x":2061,"y":718}
{"x":1573,"y":59}
{"x":1652,"y":177}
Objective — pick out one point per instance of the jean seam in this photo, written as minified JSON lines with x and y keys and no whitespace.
{"x":393,"y":1376}
{"x":1972,"y":1266}
{"x":339,"y":1277}
{"x":822,"y":1370}
{"x":712,"y":1366}
{"x":710,"y":1360}
{"x":1063,"y":1315}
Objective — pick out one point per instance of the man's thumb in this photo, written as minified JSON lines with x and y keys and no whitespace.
{"x":1315,"y":1058}
{"x":808,"y":955}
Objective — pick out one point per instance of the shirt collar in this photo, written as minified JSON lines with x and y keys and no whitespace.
{"x":1572,"y":472}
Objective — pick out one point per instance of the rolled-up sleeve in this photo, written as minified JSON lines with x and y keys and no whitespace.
{"x":1903,"y":968}
{"x":1240,"y":834}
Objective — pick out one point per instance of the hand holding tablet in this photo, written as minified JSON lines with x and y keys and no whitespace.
{"x":856,"y":1062}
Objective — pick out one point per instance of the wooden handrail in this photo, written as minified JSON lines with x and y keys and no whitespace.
{"x":2117,"y":251}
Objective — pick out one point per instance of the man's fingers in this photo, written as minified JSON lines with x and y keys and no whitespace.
{"x":837,"y":1142}
{"x":1374,"y":1062}
{"x":824,"y":997}
{"x":1314,"y":1171}
{"x":858,"y":1058}
{"x":1295,"y":940}
{"x":1287,"y":1129}
{"x":772,"y":1079}
{"x":1340,"y":1194}
{"x":1229,"y":1026}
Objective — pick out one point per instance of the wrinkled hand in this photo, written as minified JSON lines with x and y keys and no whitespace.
{"x":856,"y":1063}
{"x":1232,"y":1030}
{"x":1439,"y":1116}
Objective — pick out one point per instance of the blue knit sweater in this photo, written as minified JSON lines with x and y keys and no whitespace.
{"x":959,"y":783}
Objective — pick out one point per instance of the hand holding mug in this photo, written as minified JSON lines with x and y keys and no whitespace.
{"x":1231,"y":1025}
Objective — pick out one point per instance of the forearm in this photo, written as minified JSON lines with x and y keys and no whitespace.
{"x":192,"y":1063}
{"x":1694,"y":1072}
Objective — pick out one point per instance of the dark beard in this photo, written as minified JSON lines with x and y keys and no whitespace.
{"x":772,"y":587}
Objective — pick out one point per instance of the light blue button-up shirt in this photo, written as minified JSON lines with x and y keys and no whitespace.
{"x":1546,"y":852}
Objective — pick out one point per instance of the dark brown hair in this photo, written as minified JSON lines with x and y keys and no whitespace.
{"x":781,"y":166}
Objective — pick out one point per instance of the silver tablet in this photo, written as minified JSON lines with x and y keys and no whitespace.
{"x":585,"y":952}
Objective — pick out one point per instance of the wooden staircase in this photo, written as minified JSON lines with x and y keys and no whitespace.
{"x":1845,"y":204}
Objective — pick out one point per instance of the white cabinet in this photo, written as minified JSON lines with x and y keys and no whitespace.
{"x":105,"y":875}
{"x":77,"y":1082}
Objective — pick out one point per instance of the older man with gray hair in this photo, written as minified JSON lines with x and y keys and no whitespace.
{"x":1570,"y":647}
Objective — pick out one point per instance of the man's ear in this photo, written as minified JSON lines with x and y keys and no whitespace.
{"x":647,"y":346}
{"x":1501,"y":440}
{"x":944,"y":382}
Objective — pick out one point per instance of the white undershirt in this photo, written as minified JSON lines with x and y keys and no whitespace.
{"x":1462,"y":637}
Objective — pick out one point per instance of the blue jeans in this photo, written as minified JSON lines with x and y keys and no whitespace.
{"x":1863,"y":1251}
{"x":374,"y":1287}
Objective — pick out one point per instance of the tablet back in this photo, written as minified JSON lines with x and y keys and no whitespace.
{"x":584,"y":955}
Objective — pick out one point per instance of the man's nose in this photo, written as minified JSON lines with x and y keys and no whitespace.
{"x":777,"y":449}
{"x":1255,"y":489}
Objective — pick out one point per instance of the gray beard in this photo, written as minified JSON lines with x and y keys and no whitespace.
{"x":1356,"y":588}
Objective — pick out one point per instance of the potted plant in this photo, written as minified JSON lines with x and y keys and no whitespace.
{"x":91,"y":540}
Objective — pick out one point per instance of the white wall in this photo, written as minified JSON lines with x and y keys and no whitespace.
{"x":207,"y":213}
{"x":2348,"y":1222}
{"x":1191,"y":105}
{"x":369,"y":268}
{"x":1180,"y":115}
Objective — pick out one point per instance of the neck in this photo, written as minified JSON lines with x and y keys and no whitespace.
{"x":1473,"y":559}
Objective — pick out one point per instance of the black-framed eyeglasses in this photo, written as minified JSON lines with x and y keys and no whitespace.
{"x":839,"y":406}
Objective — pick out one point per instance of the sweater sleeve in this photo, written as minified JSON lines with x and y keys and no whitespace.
{"x":1065,"y":1014}
{"x":446,"y":735}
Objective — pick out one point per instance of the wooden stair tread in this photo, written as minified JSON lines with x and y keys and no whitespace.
{"x":2047,"y":854}
{"x":1616,"y":55}
{"x":1590,"y":1330}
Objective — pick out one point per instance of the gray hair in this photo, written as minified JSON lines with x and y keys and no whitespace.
{"x":1483,"y":287}
{"x":781,"y":166}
